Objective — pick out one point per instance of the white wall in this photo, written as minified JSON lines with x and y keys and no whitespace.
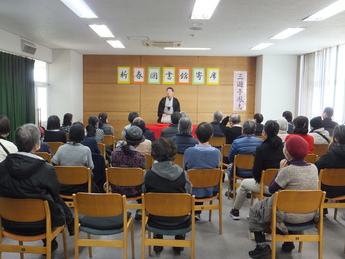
{"x":276,"y":85}
{"x":65,"y":91}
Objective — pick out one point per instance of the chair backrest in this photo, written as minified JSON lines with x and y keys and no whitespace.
{"x":149,"y":161}
{"x":179,"y":160}
{"x":203,"y":178}
{"x":45,"y":156}
{"x":296,"y":201}
{"x":225,"y":149}
{"x":320,"y":149}
{"x":311,"y":158}
{"x":268,"y":175}
{"x":54,"y":146}
{"x":261,"y":137}
{"x":72,"y":175}
{"x":332,"y":177}
{"x":99,"y":204}
{"x":168,"y":204}
{"x":101,"y":147}
{"x":109,"y":140}
{"x":124,"y":176}
{"x":217,"y":141}
{"x":244,"y":161}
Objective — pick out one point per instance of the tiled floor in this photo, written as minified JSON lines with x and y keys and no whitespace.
{"x":233,"y":243}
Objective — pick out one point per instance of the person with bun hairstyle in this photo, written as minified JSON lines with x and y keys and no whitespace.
{"x":104,"y":124}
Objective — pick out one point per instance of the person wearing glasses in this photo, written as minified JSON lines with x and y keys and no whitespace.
{"x":167,"y":106}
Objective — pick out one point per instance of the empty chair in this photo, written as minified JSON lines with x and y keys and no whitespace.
{"x":320,"y":149}
{"x":149,"y":161}
{"x":266,"y":178}
{"x":109,"y":140}
{"x":217,"y":141}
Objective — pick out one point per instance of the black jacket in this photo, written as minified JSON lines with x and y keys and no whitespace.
{"x":329,"y":125}
{"x":216,"y":128}
{"x":161,"y":105}
{"x":169,"y":132}
{"x":230,"y":133}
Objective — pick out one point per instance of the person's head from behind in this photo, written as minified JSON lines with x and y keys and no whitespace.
{"x":27,"y":138}
{"x":258,"y":118}
{"x":185,"y":126}
{"x":295,"y":148}
{"x":316,"y":123}
{"x":53,"y":122}
{"x":328,"y":112}
{"x":170,"y":92}
{"x":248,"y":127}
{"x":339,"y":134}
{"x":287,"y":115}
{"x":175,"y":117}
{"x":139,"y":123}
{"x":234,"y":118}
{"x":271,"y":128}
{"x":283,"y":124}
{"x":134,"y":136}
{"x":204,"y":132}
{"x":93,"y":120}
{"x":163,"y":149}
{"x":76,"y":133}
{"x":132,"y":116}
{"x":217,"y":116}
{"x":67,"y":119}
{"x":42,"y":131}
{"x":90,"y":131}
{"x":5,"y":126}
{"x":300,"y":124}
{"x":103,"y":118}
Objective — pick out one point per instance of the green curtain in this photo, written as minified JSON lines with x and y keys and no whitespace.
{"x":17,"y":90}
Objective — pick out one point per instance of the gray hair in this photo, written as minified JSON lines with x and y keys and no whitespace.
{"x":235,"y":118}
{"x":283,"y":124}
{"x":218,"y":116}
{"x":249,"y":127}
{"x":27,"y":136}
{"x":185,"y":126}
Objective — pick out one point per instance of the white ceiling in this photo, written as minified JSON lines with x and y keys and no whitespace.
{"x":235,"y":27}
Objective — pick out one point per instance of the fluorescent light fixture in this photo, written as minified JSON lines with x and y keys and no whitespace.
{"x":102,"y":31}
{"x":261,"y":46}
{"x":203,"y":9}
{"x":286,"y":33}
{"x":79,"y":8}
{"x":170,"y":48}
{"x":116,"y":44}
{"x":327,"y":12}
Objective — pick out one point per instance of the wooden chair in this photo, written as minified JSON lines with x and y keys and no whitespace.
{"x":73,"y":175}
{"x":149,"y":161}
{"x":54,"y":146}
{"x":109,"y":140}
{"x":311,"y":158}
{"x":203,"y":178}
{"x":46,"y":156}
{"x":266,"y":178}
{"x":95,"y":208}
{"x":292,"y":201}
{"x":320,"y":149}
{"x":167,"y":205}
{"x":179,"y":160}
{"x":101,"y":147}
{"x":125,"y":177}
{"x":29,"y":210}
{"x":225,"y":153}
{"x":217,"y":141}
{"x":244,"y":162}
{"x":261,"y":137}
{"x":333,"y":177}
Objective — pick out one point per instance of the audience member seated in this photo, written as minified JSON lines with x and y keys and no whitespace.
{"x":320,"y":135}
{"x":300,"y":124}
{"x":128,"y":156}
{"x":244,"y":144}
{"x":217,"y":118}
{"x":53,"y":132}
{"x":334,"y":158}
{"x":6,"y":147}
{"x":258,"y":118}
{"x":172,"y":130}
{"x":283,"y":126}
{"x":90,"y":140}
{"x":184,"y":139}
{"x":131,"y":117}
{"x":74,"y":154}
{"x":44,"y":147}
{"x":104,"y":124}
{"x":94,"y":121}
{"x":202,"y":156}
{"x":26,"y":175}
{"x":145,"y":146}
{"x":327,"y":121}
{"x":267,"y":155}
{"x":166,"y":177}
{"x":148,"y":134}
{"x":234,"y":130}
{"x":67,"y":123}
{"x":288,"y":116}
{"x":294,"y":174}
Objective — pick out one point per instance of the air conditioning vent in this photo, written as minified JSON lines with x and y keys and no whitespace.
{"x":161,"y":44}
{"x":28,"y":47}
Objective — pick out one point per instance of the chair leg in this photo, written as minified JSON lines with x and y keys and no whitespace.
{"x":132,"y":240}
{"x":335,"y":213}
{"x":210,"y":213}
{"x":300,"y":246}
{"x":229,"y":184}
{"x":220,"y":219}
{"x":149,"y":236}
{"x":65,"y":250}
{"x":274,"y":245}
{"x":90,"y":247}
{"x":21,"y":254}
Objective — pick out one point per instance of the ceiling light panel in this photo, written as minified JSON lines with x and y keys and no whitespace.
{"x":102,"y":31}
{"x":333,"y":9}
{"x":261,"y":46}
{"x":116,"y":44}
{"x":79,"y":8}
{"x":287,"y":33}
{"x":168,"y":48}
{"x":203,"y":9}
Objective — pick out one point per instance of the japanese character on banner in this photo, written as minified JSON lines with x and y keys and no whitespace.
{"x":240,"y":90}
